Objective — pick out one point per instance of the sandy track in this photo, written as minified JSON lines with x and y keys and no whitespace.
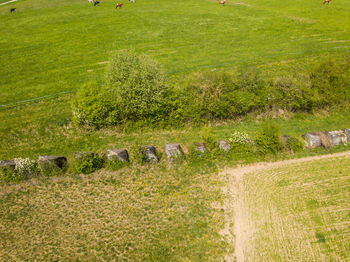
{"x":235,"y":188}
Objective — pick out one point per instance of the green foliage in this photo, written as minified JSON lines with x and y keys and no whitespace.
{"x":138,"y":86}
{"x":207,"y":137}
{"x":267,"y":140}
{"x":93,"y":106}
{"x":220,"y":95}
{"x":330,"y":79}
{"x":87,"y":163}
{"x":8,"y":174}
{"x":49,"y":170}
{"x":115,"y":164}
{"x":294,"y":144}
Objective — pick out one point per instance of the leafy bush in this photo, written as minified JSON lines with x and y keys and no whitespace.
{"x":330,"y":79}
{"x":48,"y":169}
{"x":267,"y":140}
{"x":292,"y":144}
{"x":219,"y":95}
{"x":93,"y":106}
{"x":207,"y":137}
{"x":87,"y":163}
{"x":139,"y":87}
{"x":294,"y":93}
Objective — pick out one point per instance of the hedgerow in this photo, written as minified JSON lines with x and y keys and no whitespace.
{"x":137,"y":93}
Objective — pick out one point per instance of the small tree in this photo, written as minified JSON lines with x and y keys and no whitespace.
{"x":138,"y":86}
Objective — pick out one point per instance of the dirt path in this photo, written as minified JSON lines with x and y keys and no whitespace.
{"x":241,"y":229}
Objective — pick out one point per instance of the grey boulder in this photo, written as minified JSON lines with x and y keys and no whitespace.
{"x":149,"y":154}
{"x":224,"y":145}
{"x":200,"y":147}
{"x":312,"y":139}
{"x":173,"y":151}
{"x":58,"y":161}
{"x":118,"y":154}
{"x":347,"y":133}
{"x":337,"y":137}
{"x":7,"y":163}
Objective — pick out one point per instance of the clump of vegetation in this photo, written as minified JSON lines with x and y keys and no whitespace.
{"x":87,"y":163}
{"x":24,"y":169}
{"x":115,"y":164}
{"x":136,"y":91}
{"x":268,"y":139}
{"x":207,"y":137}
{"x":293,"y":144}
{"x":240,"y":142}
{"x":93,"y":106}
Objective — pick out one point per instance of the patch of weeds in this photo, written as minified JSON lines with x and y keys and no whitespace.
{"x":282,"y":183}
{"x":320,"y":237}
{"x":267,"y":140}
{"x":207,"y":137}
{"x":312,"y":204}
{"x":49,"y":170}
{"x":8,"y":174}
{"x":115,"y":164}
{"x":294,"y":145}
{"x":87,"y":163}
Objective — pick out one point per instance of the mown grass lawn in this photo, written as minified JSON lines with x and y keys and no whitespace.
{"x":299,"y":212}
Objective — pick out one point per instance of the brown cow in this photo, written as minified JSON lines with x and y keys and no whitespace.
{"x":326,"y":1}
{"x":222,"y":2}
{"x":119,"y":5}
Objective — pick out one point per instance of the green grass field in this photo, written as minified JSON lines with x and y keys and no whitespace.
{"x":299,"y":212}
{"x":49,"y":47}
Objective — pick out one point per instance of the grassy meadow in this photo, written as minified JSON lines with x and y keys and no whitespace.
{"x":299,"y":212}
{"x":164,"y":212}
{"x":48,"y":47}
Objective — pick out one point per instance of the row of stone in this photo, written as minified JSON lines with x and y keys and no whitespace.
{"x":327,"y":139}
{"x":149,"y":154}
{"x":173,"y":151}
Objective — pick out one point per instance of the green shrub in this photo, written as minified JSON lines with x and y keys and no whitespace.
{"x":138,"y":86}
{"x":8,"y":174}
{"x":93,"y":106}
{"x":294,"y":93}
{"x":294,"y":144}
{"x":48,"y":169}
{"x":26,"y":167}
{"x":87,"y":163}
{"x":207,"y":137}
{"x":240,"y":142}
{"x":330,"y":79}
{"x":267,"y":140}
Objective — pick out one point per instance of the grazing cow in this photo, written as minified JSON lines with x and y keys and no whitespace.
{"x":326,"y":1}
{"x":91,"y":1}
{"x":12,"y":10}
{"x":222,"y":2}
{"x":119,"y":5}
{"x":96,"y":3}
{"x":131,"y":1}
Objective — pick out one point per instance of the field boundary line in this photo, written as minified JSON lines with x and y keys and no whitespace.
{"x":235,"y":187}
{"x":9,"y":2}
